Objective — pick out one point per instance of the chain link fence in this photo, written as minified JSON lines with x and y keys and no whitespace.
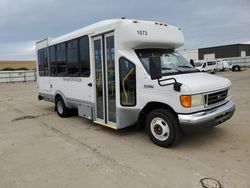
{"x":242,"y":61}
{"x":17,"y":76}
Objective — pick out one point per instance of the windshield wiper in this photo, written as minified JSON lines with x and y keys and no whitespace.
{"x":184,"y":66}
{"x":194,"y":68}
{"x":168,"y":68}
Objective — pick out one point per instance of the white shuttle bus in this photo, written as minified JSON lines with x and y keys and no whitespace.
{"x":123,"y":72}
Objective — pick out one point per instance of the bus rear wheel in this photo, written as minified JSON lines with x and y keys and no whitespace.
{"x":61,"y":108}
{"x":162,"y":127}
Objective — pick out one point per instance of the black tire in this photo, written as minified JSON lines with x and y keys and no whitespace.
{"x":61,"y":108}
{"x":236,"y":68}
{"x":213,"y":71}
{"x":154,"y":129}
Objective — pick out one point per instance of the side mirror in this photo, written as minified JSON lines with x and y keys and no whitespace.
{"x":155,"y":67}
{"x":192,"y":62}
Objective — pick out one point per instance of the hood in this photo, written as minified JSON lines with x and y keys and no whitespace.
{"x":202,"y":82}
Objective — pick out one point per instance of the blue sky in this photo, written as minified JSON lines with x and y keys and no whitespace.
{"x":205,"y":23}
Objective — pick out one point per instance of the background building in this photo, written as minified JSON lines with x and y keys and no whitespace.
{"x":225,"y":51}
{"x":190,"y":54}
{"x":239,"y":50}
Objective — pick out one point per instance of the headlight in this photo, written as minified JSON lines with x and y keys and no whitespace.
{"x":191,"y":100}
{"x":197,"y":100}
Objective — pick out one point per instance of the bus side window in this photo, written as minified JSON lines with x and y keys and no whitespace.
{"x":73,"y":60}
{"x":61,"y":59}
{"x":42,"y":62}
{"x":127,"y":82}
{"x":52,"y":55}
{"x":84,"y":56}
{"x":46,"y":62}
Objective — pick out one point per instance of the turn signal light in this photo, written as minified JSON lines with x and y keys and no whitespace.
{"x":186,"y":100}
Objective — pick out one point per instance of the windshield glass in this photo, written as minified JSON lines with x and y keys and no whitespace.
{"x":198,"y":64}
{"x":171,"y":62}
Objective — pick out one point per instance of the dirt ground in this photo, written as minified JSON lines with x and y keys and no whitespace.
{"x":39,"y":149}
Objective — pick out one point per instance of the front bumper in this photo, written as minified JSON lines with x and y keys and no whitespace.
{"x":209,"y":118}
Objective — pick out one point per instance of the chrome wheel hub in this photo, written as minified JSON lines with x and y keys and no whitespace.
{"x":60,"y":107}
{"x":160,"y":128}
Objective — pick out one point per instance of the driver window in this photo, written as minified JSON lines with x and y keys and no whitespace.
{"x":204,"y":65}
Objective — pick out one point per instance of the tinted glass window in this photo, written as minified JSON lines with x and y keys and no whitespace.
{"x":171,"y":61}
{"x":99,"y":78}
{"x":52,"y":55}
{"x":73,"y":58}
{"x":46,"y":62}
{"x":41,"y":61}
{"x":198,"y":64}
{"x":84,"y":56}
{"x":127,"y":82}
{"x":110,"y":62}
{"x":209,"y":63}
{"x":61,"y":59}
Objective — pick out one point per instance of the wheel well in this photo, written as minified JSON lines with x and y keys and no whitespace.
{"x":57,"y":96}
{"x":148,"y":108}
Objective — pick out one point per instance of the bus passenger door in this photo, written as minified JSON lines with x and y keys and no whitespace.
{"x":104,"y":60}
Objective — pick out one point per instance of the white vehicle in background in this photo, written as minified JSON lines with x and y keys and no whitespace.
{"x":223,"y":65}
{"x":123,"y":72}
{"x":206,"y":66}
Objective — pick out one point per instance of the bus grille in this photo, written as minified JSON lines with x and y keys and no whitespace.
{"x":216,"y":97}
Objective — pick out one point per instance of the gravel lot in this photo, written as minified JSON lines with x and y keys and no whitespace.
{"x":39,"y":149}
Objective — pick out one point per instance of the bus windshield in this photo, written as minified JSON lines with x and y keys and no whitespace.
{"x":171,"y":61}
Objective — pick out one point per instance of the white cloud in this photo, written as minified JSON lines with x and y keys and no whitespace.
{"x":17,"y":51}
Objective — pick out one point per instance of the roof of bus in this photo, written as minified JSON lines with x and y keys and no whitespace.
{"x":110,"y":23}
{"x":102,"y":27}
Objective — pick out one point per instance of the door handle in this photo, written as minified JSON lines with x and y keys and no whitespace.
{"x":90,"y":84}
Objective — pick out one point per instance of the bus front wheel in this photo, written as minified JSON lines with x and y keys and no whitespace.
{"x":162,"y":127}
